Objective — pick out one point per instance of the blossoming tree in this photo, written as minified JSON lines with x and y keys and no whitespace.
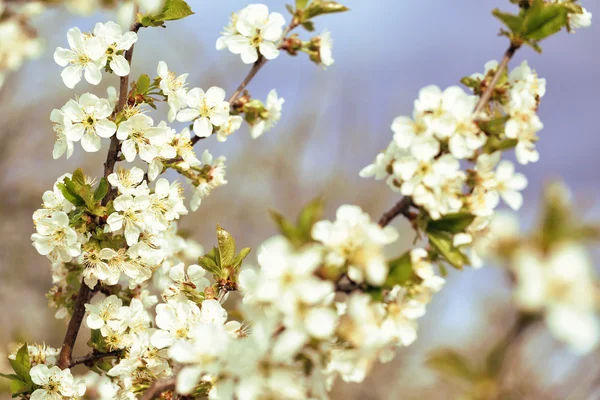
{"x":325,"y":302}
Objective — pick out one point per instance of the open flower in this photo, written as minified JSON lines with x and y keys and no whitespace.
{"x":116,"y":43}
{"x":273,"y":105}
{"x":54,"y":383}
{"x":140,"y":136}
{"x":85,"y":54}
{"x":55,"y":238}
{"x":206,"y":109}
{"x":129,"y":212}
{"x":173,"y":87}
{"x":257,"y":30}
{"x":87,"y":120}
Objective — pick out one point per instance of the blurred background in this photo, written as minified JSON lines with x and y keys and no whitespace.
{"x":334,"y":123}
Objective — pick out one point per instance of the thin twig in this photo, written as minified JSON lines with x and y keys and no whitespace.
{"x":400,"y":208}
{"x":487,"y":95}
{"x":252,"y":73}
{"x":159,"y":387}
{"x":94,"y":357}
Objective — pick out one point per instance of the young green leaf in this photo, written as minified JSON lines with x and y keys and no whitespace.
{"x":226,"y":246}
{"x":400,"y":271}
{"x":21,"y":364}
{"x":513,"y":22}
{"x":320,"y":7}
{"x":442,"y":242}
{"x":78,"y":178}
{"x":174,"y":10}
{"x":453,"y":223}
{"x":101,"y":190}
{"x":300,"y":4}
{"x":143,"y":84}
{"x":542,"y":20}
{"x":71,"y":197}
{"x":240,"y":257}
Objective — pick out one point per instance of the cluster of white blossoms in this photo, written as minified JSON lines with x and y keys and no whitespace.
{"x":325,"y":302}
{"x":91,"y":52}
{"x":50,"y":380}
{"x":253,"y":31}
{"x":300,"y":330}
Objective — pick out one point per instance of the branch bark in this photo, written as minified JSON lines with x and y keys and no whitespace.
{"x":85,"y":293}
{"x":400,"y":208}
{"x":159,"y":387}
{"x":487,"y":95}
{"x":115,"y":146}
{"x":84,"y":296}
{"x":94,"y":357}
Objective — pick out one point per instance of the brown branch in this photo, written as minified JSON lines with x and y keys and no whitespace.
{"x":400,"y":208}
{"x":90,"y":358}
{"x":487,"y":95}
{"x":85,"y":293}
{"x":115,"y":145}
{"x":84,"y":296}
{"x":253,"y":71}
{"x":159,"y":387}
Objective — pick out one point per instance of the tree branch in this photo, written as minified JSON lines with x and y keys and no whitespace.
{"x":94,"y":357}
{"x":85,"y":293}
{"x":84,"y":296}
{"x":487,"y":95}
{"x":159,"y":387}
{"x":115,"y":145}
{"x":400,"y":208}
{"x":253,"y":71}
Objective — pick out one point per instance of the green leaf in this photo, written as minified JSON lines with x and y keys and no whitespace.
{"x":300,"y":4}
{"x":240,"y":257}
{"x":290,"y":9}
{"x":452,"y":364}
{"x":18,"y":387}
{"x":226,"y":246}
{"x":310,"y":215}
{"x":320,"y":7}
{"x":400,"y":271}
{"x":72,"y":198}
{"x":453,"y":223}
{"x":209,"y":264}
{"x":286,"y":228}
{"x":494,"y":144}
{"x":542,"y":20}
{"x":78,"y":178}
{"x":513,"y":22}
{"x":143,"y":84}
{"x":21,"y":364}
{"x":442,"y":242}
{"x":101,"y":190}
{"x":12,"y":377}
{"x":494,"y":126}
{"x":309,"y":26}
{"x":174,"y":10}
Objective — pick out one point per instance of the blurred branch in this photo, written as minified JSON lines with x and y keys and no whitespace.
{"x":159,"y":387}
{"x":400,"y":208}
{"x":90,"y":358}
